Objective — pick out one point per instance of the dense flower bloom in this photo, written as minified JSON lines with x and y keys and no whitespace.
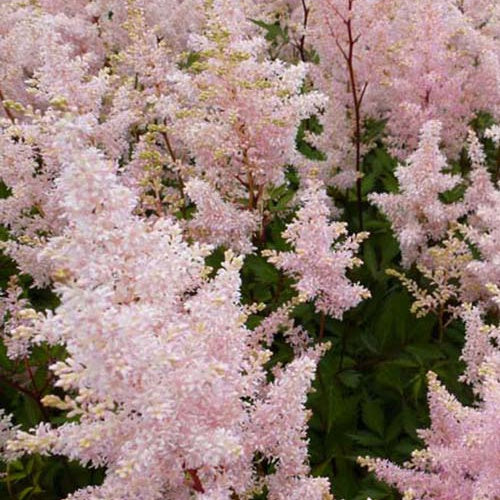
{"x":417,"y":214}
{"x":462,"y":450}
{"x":218,"y":222}
{"x":245,"y":104}
{"x":431,"y":41}
{"x":482,"y":199}
{"x":454,"y":245}
{"x":321,"y":256}
{"x":16,"y":319}
{"x":138,"y":136}
{"x":403,"y":62}
{"x":170,"y":392}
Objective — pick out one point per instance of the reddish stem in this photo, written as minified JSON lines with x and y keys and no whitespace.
{"x":302,"y":43}
{"x":197,"y":486}
{"x":32,"y":378}
{"x":27,"y":392}
{"x":357,"y":113}
{"x":357,"y":96}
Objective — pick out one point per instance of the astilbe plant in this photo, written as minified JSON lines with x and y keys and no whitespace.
{"x":417,"y":214}
{"x":33,"y":101}
{"x":223,"y":90}
{"x":454,"y":244}
{"x":246,"y":104}
{"x":350,"y":39}
{"x":431,"y":40}
{"x":138,"y":138}
{"x":169,"y":392}
{"x":162,"y":383}
{"x":321,"y":256}
{"x":462,"y":446}
{"x":403,"y":62}
{"x":462,"y":450}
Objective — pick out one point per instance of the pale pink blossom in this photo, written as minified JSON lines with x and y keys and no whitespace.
{"x":417,"y":214}
{"x":322,"y":254}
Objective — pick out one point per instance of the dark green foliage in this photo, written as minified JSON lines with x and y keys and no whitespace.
{"x":370,"y":393}
{"x":46,"y":478}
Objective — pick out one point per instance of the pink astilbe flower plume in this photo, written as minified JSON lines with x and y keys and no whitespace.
{"x":455,"y":247}
{"x":349,"y":37}
{"x":321,"y":256}
{"x":138,"y":136}
{"x":442,"y":65}
{"x":462,"y":447}
{"x":417,"y":214}
{"x":482,"y":199}
{"x":170,"y":391}
{"x":218,"y":222}
{"x":242,"y":124}
{"x":404,"y":62}
{"x":16,"y":320}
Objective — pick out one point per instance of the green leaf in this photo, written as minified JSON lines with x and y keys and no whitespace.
{"x":27,"y":491}
{"x":409,"y":420}
{"x":14,"y":476}
{"x":350,"y":378}
{"x":394,"y":429}
{"x":370,"y":257}
{"x":367,"y":439}
{"x":32,"y":414}
{"x":273,"y":31}
{"x":263,"y":270}
{"x":373,"y":416}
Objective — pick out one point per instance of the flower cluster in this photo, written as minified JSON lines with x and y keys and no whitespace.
{"x":106,"y":133}
{"x":457,"y":251}
{"x":403,"y":62}
{"x":170,"y":392}
{"x":322,"y":254}
{"x":138,"y":138}
{"x":453,"y":243}
{"x":462,"y":446}
{"x":417,"y":214}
